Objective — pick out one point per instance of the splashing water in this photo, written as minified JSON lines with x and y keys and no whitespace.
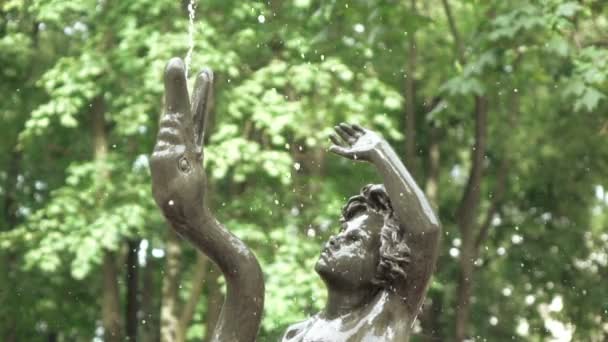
{"x":191,"y":12}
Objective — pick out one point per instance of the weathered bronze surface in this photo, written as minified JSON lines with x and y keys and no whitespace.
{"x":178,"y":184}
{"x":376,"y":268}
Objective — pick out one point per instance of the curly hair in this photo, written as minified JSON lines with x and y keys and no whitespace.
{"x":394,"y":251}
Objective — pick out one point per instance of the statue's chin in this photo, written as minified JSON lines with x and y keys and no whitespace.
{"x":325,"y":271}
{"x":321,"y":267}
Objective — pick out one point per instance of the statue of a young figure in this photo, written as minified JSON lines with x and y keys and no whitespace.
{"x":376,"y":268}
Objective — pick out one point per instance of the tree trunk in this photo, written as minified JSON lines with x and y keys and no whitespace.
{"x":10,"y":189}
{"x":410,"y":103}
{"x":111,"y":303}
{"x":430,"y":318}
{"x":132,"y":290}
{"x":169,"y":322}
{"x":463,"y":301}
{"x":150,"y":327}
{"x":8,"y":259}
{"x":215,"y":298}
{"x":198,"y":282}
{"x":51,"y":337}
{"x":435,"y":320}
{"x":467,"y":213}
{"x":467,"y":210}
{"x":9,"y":333}
{"x":110,"y":307}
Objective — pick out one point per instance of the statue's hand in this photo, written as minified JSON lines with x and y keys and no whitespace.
{"x":178,"y":178}
{"x":355,"y":142}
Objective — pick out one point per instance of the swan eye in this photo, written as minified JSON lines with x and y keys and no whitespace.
{"x":184,"y":164}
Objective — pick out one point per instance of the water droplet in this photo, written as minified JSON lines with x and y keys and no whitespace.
{"x":530,"y":299}
{"x":517,"y":239}
{"x":454,"y":252}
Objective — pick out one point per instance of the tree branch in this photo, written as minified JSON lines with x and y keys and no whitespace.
{"x":494,"y":206}
{"x":503,"y":171}
{"x":469,"y":202}
{"x":470,"y":199}
{"x":459,"y":45}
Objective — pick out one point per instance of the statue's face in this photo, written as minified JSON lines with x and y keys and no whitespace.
{"x":349,"y":259}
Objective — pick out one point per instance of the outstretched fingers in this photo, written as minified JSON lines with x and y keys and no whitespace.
{"x":174,"y":126}
{"x":349,"y":129}
{"x":345,"y":135}
{"x":345,"y":138}
{"x":176,"y":89}
{"x":360,"y":130}
{"x":339,"y":147}
{"x":334,"y":139}
{"x":202,"y":104}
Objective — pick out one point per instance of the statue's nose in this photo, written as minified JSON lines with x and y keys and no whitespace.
{"x":333,"y":243}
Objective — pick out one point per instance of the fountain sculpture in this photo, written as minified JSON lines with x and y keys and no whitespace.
{"x":376,"y":268}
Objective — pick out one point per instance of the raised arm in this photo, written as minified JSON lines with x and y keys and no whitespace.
{"x":178,"y":186}
{"x":412,"y":209}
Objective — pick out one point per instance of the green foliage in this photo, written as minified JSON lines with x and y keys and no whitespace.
{"x":588,"y":79}
{"x":83,"y":218}
{"x":286,"y":73}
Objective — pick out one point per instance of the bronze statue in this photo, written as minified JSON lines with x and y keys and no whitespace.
{"x":376,"y":269}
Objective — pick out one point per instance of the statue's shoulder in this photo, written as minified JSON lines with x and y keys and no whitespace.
{"x":295,"y":332}
{"x":386,"y":319}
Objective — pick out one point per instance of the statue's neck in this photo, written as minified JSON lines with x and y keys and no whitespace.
{"x":342,"y":301}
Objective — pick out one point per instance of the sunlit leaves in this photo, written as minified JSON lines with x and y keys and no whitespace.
{"x":72,"y":85}
{"x":568,"y":9}
{"x":245,"y":159}
{"x":462,"y":85}
{"x":522,"y":19}
{"x":58,"y":11}
{"x":15,"y":47}
{"x":304,"y":100}
{"x":588,"y":83}
{"x":72,"y":226}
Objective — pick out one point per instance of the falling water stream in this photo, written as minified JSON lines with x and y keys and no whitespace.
{"x":191,"y":12}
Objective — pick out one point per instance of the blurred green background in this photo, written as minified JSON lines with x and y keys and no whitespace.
{"x":498,"y":109}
